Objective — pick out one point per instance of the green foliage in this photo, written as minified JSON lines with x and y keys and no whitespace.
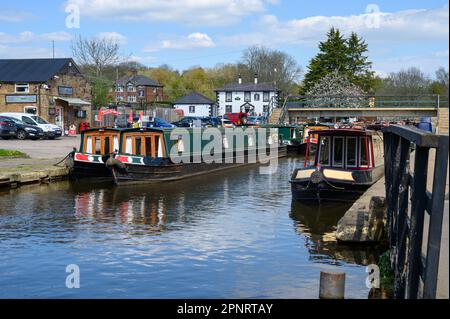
{"x":101,"y":92}
{"x":346,"y":56}
{"x":7,"y":153}
{"x":386,"y":272}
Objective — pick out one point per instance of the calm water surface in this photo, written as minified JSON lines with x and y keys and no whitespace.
{"x":234,"y":234}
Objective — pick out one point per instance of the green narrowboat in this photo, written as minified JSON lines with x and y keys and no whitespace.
{"x":149,"y":155}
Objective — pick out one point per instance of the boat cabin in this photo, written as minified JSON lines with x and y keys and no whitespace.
{"x":143,"y":142}
{"x":347,"y":149}
{"x":102,"y":141}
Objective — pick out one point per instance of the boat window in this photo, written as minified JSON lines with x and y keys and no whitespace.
{"x":148,"y":146}
{"x":88,"y":146}
{"x":157,"y":146}
{"x":98,"y":145}
{"x":107,"y":145}
{"x":351,"y":151}
{"x":324,"y":151}
{"x":116,"y":143}
{"x":137,"y":146}
{"x":364,"y":156}
{"x":129,"y":145}
{"x":338,"y":152}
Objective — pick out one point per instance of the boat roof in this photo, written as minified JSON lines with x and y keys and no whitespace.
{"x":97,"y":129}
{"x":343,"y":131}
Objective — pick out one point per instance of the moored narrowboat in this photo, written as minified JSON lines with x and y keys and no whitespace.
{"x":290,"y":135}
{"x":311,"y":139}
{"x":96,"y":146}
{"x":340,"y":167}
{"x":149,"y":155}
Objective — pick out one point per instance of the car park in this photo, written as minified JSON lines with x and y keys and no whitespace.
{"x":8,"y":128}
{"x":237,"y":118}
{"x":51,"y":131}
{"x":256,"y":120}
{"x":25,"y":131}
{"x":158,"y":122}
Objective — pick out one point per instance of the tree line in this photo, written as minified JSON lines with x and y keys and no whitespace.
{"x":341,"y":66}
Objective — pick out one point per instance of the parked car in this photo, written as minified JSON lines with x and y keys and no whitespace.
{"x":51,"y":131}
{"x":214,"y":121}
{"x":256,"y":120}
{"x":25,"y":131}
{"x":237,"y":118}
{"x":228,"y":124}
{"x":158,"y":122}
{"x":7,"y":128}
{"x":187,"y":121}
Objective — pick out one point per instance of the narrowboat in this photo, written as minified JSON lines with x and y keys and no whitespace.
{"x":290,"y":135}
{"x":340,"y":167}
{"x":306,"y":137}
{"x":149,"y":155}
{"x":96,"y":146}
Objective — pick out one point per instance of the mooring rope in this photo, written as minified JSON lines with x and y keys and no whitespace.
{"x":57,"y":164}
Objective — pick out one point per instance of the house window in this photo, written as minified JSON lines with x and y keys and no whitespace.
{"x":247,"y":96}
{"x":266,"y":96}
{"x":141,"y":93}
{"x":154,"y":91}
{"x":22,"y":88}
{"x":119,"y":98}
{"x":132,"y":98}
{"x":191,"y":108}
{"x":228,"y":109}
{"x":265,"y":108}
{"x":131,"y":88}
{"x":228,"y":96}
{"x":119,"y":88}
{"x":256,"y":97}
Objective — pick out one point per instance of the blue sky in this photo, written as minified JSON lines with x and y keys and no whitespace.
{"x":184,"y":33}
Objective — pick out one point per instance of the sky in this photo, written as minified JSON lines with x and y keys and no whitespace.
{"x":186,"y":33}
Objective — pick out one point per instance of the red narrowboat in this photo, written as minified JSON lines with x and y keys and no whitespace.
{"x":340,"y":167}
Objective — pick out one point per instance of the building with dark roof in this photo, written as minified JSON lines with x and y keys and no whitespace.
{"x":254,"y":98}
{"x":137,"y":89}
{"x":54,"y":89}
{"x":196,"y":104}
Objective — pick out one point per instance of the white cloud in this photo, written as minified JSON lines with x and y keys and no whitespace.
{"x":193,"y":40}
{"x":114,"y":36}
{"x":413,"y":26}
{"x":191,"y":12}
{"x":10,"y":16}
{"x":28,"y":36}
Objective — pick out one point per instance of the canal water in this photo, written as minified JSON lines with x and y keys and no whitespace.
{"x":233,"y":234}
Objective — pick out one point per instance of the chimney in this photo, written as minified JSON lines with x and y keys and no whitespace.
{"x":240,"y":79}
{"x":256,"y":78}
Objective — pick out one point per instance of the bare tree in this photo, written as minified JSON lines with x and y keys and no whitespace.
{"x":95,"y":54}
{"x":272,"y":66}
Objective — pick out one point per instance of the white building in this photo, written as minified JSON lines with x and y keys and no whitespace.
{"x":255,"y":98}
{"x":196,"y":104}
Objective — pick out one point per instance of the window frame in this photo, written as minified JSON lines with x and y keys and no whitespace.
{"x":319,"y":151}
{"x":369,"y":156}
{"x":22,"y":85}
{"x":191,"y":109}
{"x":228,"y":96}
{"x":247,"y":96}
{"x":343,"y":151}
{"x":266,"y":96}
{"x":355,"y":138}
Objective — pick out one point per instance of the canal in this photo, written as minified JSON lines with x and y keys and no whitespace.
{"x":234,"y":234}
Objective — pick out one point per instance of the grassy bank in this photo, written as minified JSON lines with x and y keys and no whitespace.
{"x":11,"y":153}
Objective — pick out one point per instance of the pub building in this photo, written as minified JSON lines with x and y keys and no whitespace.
{"x":54,"y":89}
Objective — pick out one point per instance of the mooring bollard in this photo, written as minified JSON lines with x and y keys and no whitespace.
{"x":332,"y":285}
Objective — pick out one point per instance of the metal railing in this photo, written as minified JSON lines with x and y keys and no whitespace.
{"x":367,"y":101}
{"x":406,"y":216}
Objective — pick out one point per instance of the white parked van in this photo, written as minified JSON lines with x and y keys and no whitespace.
{"x":51,"y":131}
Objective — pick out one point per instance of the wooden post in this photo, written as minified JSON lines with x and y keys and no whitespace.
{"x":332,"y":285}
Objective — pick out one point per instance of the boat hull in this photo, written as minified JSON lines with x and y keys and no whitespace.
{"x":142,"y":174}
{"x":91,"y":171}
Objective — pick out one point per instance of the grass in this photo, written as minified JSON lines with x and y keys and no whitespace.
{"x":11,"y":153}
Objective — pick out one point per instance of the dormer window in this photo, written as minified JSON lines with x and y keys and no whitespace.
{"x":22,"y":88}
{"x":119,"y":88}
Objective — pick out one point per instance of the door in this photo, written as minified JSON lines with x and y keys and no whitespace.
{"x":59,"y":116}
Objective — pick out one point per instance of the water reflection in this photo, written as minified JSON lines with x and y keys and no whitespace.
{"x":225,"y":235}
{"x":318,"y":225}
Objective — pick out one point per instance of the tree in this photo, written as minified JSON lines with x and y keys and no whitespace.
{"x":346,"y":56}
{"x":335,"y":89}
{"x":95,"y":54}
{"x":411,"y":81}
{"x":100,"y":93}
{"x":271,"y":66}
{"x":440,"y":86}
